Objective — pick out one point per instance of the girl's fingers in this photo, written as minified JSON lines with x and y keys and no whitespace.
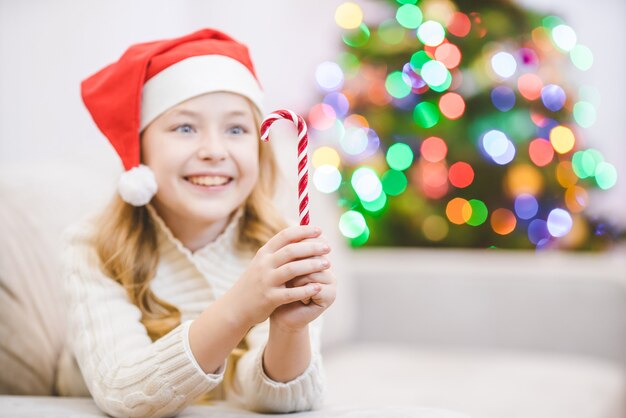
{"x":294,"y":294}
{"x":318,"y":277}
{"x":297,"y":268}
{"x":325,"y":297}
{"x":289,"y":235}
{"x":299,"y":250}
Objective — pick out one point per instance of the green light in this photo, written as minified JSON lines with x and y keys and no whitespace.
{"x":479,"y":212}
{"x":390,"y":32}
{"x":349,"y":63}
{"x":376,"y":205}
{"x":394,"y":182}
{"x":409,"y":16}
{"x":426,"y":114}
{"x":584,"y":114}
{"x":419,"y":59}
{"x":606,"y":175}
{"x":578,"y":166}
{"x":399,"y":156}
{"x":582,"y":57}
{"x":551,"y":22}
{"x":407,"y":1}
{"x":357,"y":37}
{"x":361,"y":239}
{"x":397,"y":86}
{"x":352,"y":224}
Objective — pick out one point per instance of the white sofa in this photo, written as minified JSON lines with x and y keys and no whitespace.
{"x":413,"y":333}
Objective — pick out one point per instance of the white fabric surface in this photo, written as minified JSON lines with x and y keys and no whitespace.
{"x":482,"y":384}
{"x":35,"y":407}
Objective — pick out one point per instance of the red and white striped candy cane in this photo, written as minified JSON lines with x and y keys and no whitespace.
{"x":303,"y":147}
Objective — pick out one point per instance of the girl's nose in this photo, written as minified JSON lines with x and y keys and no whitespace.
{"x":212,"y":149}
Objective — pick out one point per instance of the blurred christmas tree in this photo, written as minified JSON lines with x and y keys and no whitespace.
{"x":458,"y":124}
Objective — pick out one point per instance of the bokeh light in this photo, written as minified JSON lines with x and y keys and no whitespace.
{"x":399,"y":156}
{"x":409,"y":16}
{"x":434,"y":73}
{"x":581,"y":57}
{"x":435,"y":228}
{"x":479,"y":212}
{"x":354,"y":141}
{"x":326,"y":156}
{"x":503,"y":98}
{"x":329,"y":76}
{"x":327,"y":178}
{"x":358,"y":37}
{"x":461,"y":174}
{"x":503,"y":64}
{"x":426,"y":114}
{"x":559,"y":222}
{"x":431,"y":33}
{"x":339,"y":102}
{"x":352,"y":224}
{"x":448,"y":54}
{"x":458,"y":210}
{"x":459,"y":24}
{"x":606,"y":175}
{"x":538,"y":231}
{"x":584,"y":114}
{"x":349,"y":15}
{"x":523,"y":178}
{"x":394,"y":182}
{"x":366,"y":184}
{"x":530,"y":86}
{"x":433,"y":149}
{"x":564,"y":37}
{"x":553,"y":97}
{"x":391,"y":32}
{"x":398,"y":84}
{"x":503,"y":221}
{"x":526,"y":206}
{"x":452,"y":105}
{"x":541,"y":152}
{"x":576,"y":199}
{"x":562,"y":139}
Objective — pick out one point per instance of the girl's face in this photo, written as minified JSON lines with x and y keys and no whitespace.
{"x":205,"y":156}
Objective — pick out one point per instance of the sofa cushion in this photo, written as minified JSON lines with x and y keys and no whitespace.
{"x":38,"y":202}
{"x":485,"y":384}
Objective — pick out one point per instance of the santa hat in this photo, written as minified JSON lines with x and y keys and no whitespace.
{"x":124,"y":97}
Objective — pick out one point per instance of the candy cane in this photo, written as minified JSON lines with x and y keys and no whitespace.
{"x":303,"y":146}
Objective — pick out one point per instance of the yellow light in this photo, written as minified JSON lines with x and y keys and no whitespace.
{"x":349,"y":15}
{"x":523,"y":178}
{"x":326,"y":156}
{"x":562,"y":139}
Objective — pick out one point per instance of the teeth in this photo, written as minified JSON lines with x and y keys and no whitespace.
{"x":208,"y":180}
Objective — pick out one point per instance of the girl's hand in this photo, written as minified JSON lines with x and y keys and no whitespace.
{"x":294,"y":252}
{"x":295,"y":316}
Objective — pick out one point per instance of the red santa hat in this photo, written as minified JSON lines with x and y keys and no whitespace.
{"x":124,"y":97}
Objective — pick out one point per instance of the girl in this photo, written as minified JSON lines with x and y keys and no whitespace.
{"x":189,"y":284}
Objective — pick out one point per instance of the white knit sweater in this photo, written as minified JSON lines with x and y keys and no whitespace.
{"x":129,"y":375}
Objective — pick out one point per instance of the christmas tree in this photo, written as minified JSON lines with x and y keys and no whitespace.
{"x":458,"y":124}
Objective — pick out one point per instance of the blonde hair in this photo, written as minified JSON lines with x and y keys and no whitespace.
{"x":126,"y":242}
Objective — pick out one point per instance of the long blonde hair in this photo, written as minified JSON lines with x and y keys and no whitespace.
{"x":126,"y":243}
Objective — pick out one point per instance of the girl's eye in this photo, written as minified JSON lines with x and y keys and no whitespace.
{"x":184,"y":129}
{"x":236,"y":130}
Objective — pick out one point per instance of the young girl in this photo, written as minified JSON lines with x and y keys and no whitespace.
{"x":189,"y":284}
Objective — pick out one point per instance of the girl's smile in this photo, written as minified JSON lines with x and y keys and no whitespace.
{"x":204,"y":153}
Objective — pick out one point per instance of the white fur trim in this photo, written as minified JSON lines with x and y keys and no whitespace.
{"x":137,"y":185}
{"x":192,"y":77}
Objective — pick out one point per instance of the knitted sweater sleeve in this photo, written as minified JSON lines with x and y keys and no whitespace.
{"x":127,"y":374}
{"x":253,"y":389}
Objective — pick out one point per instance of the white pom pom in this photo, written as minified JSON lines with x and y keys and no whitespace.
{"x":137,"y":185}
